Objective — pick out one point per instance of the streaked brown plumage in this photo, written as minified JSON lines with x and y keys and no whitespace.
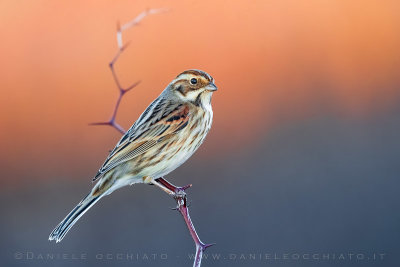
{"x":167,"y":133}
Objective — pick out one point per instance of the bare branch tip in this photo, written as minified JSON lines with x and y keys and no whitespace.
{"x":158,"y":10}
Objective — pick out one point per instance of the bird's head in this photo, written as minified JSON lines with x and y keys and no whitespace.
{"x":193,"y":86}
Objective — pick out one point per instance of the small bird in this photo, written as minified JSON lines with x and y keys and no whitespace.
{"x":167,"y":133}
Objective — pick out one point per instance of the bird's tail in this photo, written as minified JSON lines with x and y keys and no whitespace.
{"x":62,"y":229}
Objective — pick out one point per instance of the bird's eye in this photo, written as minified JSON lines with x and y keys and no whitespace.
{"x":193,"y":81}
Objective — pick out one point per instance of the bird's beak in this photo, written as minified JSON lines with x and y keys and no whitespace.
{"x":211,"y":87}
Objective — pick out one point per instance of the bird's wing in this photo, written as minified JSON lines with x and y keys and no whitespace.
{"x":158,"y":123}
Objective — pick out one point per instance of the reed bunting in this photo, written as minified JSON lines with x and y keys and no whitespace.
{"x":168,"y":132}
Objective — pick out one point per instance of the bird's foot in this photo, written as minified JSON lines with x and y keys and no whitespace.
{"x":179,"y":192}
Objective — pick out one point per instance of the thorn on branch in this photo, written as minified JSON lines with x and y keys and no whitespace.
{"x":208,"y":245}
{"x":100,"y":123}
{"x":111,"y":123}
{"x":131,"y":87}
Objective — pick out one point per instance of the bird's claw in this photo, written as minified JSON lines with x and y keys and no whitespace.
{"x":180,"y":191}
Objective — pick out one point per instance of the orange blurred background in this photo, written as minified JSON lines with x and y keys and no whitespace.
{"x":273,"y":61}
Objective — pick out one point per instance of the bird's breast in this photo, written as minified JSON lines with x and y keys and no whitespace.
{"x":182,"y":146}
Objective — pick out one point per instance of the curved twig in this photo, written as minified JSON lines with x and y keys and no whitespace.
{"x":121,"y":48}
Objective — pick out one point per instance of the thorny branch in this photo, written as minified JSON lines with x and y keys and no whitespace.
{"x":179,"y":193}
